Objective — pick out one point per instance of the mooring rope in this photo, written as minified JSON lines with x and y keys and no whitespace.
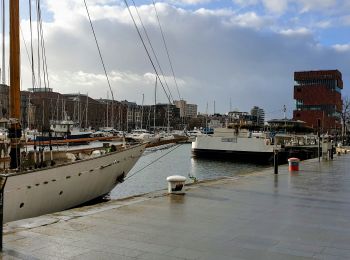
{"x":177,"y":146}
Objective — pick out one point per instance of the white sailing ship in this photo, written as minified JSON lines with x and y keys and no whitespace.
{"x":63,"y":180}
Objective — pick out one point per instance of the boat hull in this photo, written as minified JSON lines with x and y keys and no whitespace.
{"x":48,"y":190}
{"x":241,"y":156}
{"x":251,"y":150}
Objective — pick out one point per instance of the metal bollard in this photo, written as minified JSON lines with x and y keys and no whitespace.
{"x":331,"y":153}
{"x":175,"y":184}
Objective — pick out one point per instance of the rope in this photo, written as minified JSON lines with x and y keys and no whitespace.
{"x":28,"y":56}
{"x":43,"y":50}
{"x":101,"y":58}
{"x":153,"y":162}
{"x":38,"y":47}
{"x":166,"y":48}
{"x":153,"y":51}
{"x":31,"y":44}
{"x":147,"y":52}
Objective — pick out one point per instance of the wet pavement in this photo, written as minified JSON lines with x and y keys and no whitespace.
{"x":304,"y":215}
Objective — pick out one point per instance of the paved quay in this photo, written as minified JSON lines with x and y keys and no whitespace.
{"x":305,"y":215}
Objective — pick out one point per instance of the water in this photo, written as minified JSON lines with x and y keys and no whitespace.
{"x":176,"y":160}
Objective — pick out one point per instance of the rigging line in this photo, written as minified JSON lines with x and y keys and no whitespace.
{"x":103,"y":64}
{"x":31,"y":45}
{"x":148,"y":54}
{"x":167,"y":51}
{"x":153,"y":51}
{"x":28,"y":56}
{"x":40,"y":42}
{"x":43,"y":50}
{"x":38,"y":47}
{"x":154,"y":161}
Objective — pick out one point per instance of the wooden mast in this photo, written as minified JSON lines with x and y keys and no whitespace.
{"x":15,"y":131}
{"x":15,"y":68}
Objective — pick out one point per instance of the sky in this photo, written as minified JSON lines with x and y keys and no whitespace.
{"x":236,"y":53}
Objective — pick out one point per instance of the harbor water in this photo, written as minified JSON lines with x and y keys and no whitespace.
{"x":150,"y":173}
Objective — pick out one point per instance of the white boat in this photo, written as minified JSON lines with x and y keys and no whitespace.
{"x":245,"y":145}
{"x":192,"y":134}
{"x":142,"y":135}
{"x":64,"y":180}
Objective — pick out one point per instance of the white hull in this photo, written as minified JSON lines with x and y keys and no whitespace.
{"x":238,"y":144}
{"x":53,"y":189}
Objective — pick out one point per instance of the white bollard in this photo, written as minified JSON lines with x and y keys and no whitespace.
{"x":175,"y":184}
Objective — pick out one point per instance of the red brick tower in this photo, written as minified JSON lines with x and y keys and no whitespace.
{"x":318,"y":96}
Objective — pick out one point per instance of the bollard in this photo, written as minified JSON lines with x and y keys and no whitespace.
{"x":275,"y":161}
{"x":293,"y":164}
{"x":175,"y":184}
{"x":331,"y":153}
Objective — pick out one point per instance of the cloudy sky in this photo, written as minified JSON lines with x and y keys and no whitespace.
{"x":240,"y":50}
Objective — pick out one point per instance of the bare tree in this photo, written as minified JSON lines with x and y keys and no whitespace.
{"x":345,"y":116}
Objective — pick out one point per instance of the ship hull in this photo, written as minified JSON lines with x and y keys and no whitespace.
{"x":48,"y":190}
{"x":241,"y":156}
{"x":251,"y":150}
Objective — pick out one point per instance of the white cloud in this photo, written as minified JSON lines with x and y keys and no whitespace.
{"x":250,"y":19}
{"x":276,"y":6}
{"x":294,"y":32}
{"x":342,"y":47}
{"x":317,"y":5}
{"x":190,"y":2}
{"x":324,"y":24}
{"x":246,"y":2}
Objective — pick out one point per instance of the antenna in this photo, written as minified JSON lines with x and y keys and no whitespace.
{"x":284,"y":111}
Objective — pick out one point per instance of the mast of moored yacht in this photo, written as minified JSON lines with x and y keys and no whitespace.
{"x":15,"y":131}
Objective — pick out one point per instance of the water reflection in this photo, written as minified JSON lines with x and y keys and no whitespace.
{"x":177,"y":162}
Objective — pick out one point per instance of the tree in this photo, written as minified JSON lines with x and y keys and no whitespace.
{"x":345,"y":116}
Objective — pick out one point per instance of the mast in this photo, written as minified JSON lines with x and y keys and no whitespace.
{"x":86,"y":112}
{"x":143,"y":99}
{"x":155,"y":105}
{"x":15,"y":75}
{"x":15,"y":69}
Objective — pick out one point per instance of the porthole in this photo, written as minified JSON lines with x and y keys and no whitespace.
{"x":79,"y":174}
{"x":67,"y":177}
{"x":37,"y":184}
{"x":61,"y":192}
{"x":46,"y":182}
{"x":21,"y":205}
{"x":53,"y":180}
{"x":29,"y":187}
